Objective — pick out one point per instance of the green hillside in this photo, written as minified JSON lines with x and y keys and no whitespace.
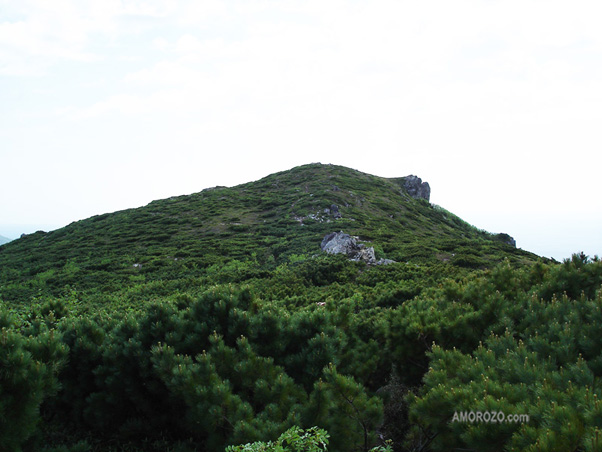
{"x":272,"y":221}
{"x":215,"y":321}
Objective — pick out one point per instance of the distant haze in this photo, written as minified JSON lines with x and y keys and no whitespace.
{"x":110,"y":105}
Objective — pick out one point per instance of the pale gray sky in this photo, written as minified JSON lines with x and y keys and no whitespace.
{"x":106,"y":105}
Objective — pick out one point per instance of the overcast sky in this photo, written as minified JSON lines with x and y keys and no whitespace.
{"x":107,"y":105}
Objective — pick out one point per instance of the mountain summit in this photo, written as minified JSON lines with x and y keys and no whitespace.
{"x":274,"y":220}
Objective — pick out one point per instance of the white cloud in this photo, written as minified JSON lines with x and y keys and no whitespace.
{"x":165,"y":73}
{"x":160,"y":43}
{"x":64,"y":30}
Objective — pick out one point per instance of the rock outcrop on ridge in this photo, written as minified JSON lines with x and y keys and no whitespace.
{"x":416,"y":188}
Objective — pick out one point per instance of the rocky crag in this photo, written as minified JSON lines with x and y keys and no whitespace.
{"x":416,"y":188}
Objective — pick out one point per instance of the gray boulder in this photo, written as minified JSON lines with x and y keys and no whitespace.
{"x":416,"y":188}
{"x":341,"y":243}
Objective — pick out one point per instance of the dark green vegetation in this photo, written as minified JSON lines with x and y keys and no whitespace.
{"x":211,"y":320}
{"x":235,"y":234}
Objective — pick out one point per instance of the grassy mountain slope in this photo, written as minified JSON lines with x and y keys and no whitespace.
{"x":277,"y":219}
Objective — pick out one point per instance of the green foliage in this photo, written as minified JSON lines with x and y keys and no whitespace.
{"x":542,"y":366}
{"x":205,"y":321}
{"x":294,"y":439}
{"x":28,"y":375}
{"x":226,"y":366}
{"x":341,"y":406}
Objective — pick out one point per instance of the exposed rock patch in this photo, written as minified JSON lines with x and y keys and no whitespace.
{"x":326,"y":215}
{"x":341,"y":243}
{"x":416,"y":188}
{"x":333,"y":210}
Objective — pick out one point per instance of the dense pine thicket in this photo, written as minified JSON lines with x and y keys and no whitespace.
{"x":229,"y":367}
{"x":213,"y":321}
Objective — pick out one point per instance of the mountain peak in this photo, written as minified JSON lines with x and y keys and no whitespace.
{"x":272,"y":221}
